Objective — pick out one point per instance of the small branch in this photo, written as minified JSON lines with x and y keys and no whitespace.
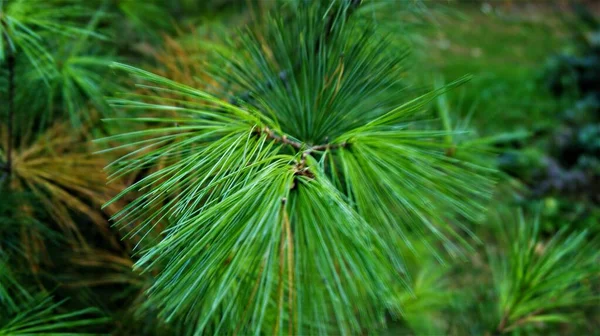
{"x":300,"y":168}
{"x":299,"y":145}
{"x":283,"y":139}
{"x":328,"y":146}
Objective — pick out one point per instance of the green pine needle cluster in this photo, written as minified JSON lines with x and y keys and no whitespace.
{"x":287,"y":208}
{"x":539,"y":280}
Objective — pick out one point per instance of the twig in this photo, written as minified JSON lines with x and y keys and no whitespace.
{"x":283,"y":139}
{"x":300,"y":168}
{"x":328,"y":146}
{"x":299,"y":145}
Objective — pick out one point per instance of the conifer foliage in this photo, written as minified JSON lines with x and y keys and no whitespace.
{"x":540,"y":280}
{"x":277,"y":170}
{"x":49,"y":182}
{"x":288,"y":195}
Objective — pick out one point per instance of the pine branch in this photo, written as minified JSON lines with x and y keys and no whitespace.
{"x":250,"y":194}
{"x":299,"y":145}
{"x":300,"y":168}
{"x":534,"y":285}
